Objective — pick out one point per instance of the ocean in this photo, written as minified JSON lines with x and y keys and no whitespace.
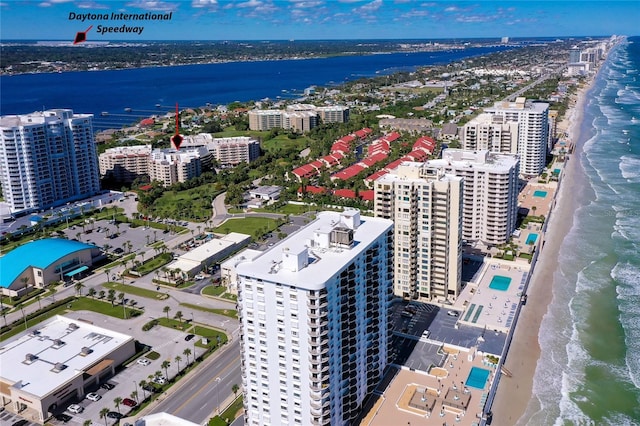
{"x":155,"y":90}
{"x":589,"y":369}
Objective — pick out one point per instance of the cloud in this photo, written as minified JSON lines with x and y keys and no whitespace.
{"x":153,"y":5}
{"x":211,"y":4}
{"x":91,"y":5}
{"x":306,"y":4}
{"x":415,"y":14}
{"x":44,"y":4}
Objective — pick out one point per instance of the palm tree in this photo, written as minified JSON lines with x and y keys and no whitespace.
{"x":179,"y":316}
{"x":25,"y":281}
{"x":79,"y":286}
{"x":117,"y":400}
{"x":92,"y":292}
{"x":165,"y":365}
{"x":158,"y":373}
{"x":19,"y":306}
{"x":186,"y":353}
{"x":87,"y":423}
{"x":112,"y":296}
{"x":103,"y":415}
{"x":177,"y":359}
{"x":143,"y":383}
{"x":134,"y":395}
{"x":121,"y":297}
{"x":38,"y":297}
{"x":166,"y":310}
{"x":107,"y":271}
{"x":235,"y":389}
{"x":101,"y":294}
{"x":106,"y":247}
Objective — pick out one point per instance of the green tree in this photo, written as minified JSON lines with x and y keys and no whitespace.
{"x":166,"y":310}
{"x":112,"y":296}
{"x":186,"y":353}
{"x":91,"y":292}
{"x":117,"y":401}
{"x":179,"y":316}
{"x":143,"y":383}
{"x":78,"y":287}
{"x":103,"y":415}
{"x":177,"y":359}
{"x":165,"y":365}
{"x":134,"y":395}
{"x":235,"y":389}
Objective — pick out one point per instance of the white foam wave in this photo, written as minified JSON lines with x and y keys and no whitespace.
{"x":628,"y":291}
{"x":630,"y":168}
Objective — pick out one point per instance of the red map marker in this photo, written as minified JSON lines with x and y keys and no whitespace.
{"x":81,"y":36}
{"x":176,"y":140}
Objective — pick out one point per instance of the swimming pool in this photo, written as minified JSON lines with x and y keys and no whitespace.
{"x":477,"y":378}
{"x":532,"y":238}
{"x":499,"y":282}
{"x":540,"y":194}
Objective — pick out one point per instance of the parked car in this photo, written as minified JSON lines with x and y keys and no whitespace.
{"x":20,"y":422}
{"x":143,"y":361}
{"x":107,"y":386}
{"x":93,"y":396}
{"x":150,"y":388}
{"x":63,"y":417}
{"x":199,"y":277}
{"x":452,"y":313}
{"x":189,"y":337}
{"x":159,"y":380}
{"x":75,"y":408}
{"x":129,"y":402}
{"x":114,"y":415}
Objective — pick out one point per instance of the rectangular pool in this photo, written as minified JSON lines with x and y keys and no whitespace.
{"x":477,"y":378}
{"x":499,"y":282}
{"x":532,"y":238}
{"x":540,"y":194}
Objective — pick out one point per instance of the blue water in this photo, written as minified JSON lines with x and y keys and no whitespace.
{"x":540,"y":194}
{"x":589,"y":370}
{"x":531,"y":238}
{"x":196,"y":85}
{"x":499,"y":282}
{"x":477,"y":378}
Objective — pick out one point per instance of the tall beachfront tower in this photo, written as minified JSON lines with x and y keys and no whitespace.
{"x":533,"y":131}
{"x":47,"y":159}
{"x":490,"y":192}
{"x":314,"y":321}
{"x":426,"y":207}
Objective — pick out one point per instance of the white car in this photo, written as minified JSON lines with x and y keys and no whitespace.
{"x":93,"y":396}
{"x":159,"y":380}
{"x":75,"y":409}
{"x":199,"y":277}
{"x":143,"y":361}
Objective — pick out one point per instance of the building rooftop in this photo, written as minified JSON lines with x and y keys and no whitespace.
{"x":478,"y":160}
{"x":306,"y":259}
{"x":39,"y":254}
{"x":54,"y":352}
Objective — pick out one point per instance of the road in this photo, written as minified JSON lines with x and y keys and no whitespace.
{"x":197,"y":398}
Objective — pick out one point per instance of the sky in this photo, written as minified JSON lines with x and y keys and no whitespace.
{"x":318,"y":19}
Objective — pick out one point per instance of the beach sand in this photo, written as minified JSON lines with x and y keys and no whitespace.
{"x":514,"y":393}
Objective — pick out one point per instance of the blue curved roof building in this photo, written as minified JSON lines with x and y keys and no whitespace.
{"x":41,"y":254}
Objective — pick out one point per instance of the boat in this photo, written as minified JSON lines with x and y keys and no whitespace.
{"x":104,"y":113}
{"x":158,"y":105}
{"x":128,"y":109}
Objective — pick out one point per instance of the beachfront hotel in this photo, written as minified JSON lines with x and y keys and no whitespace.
{"x":490,"y":192}
{"x":533,"y":131}
{"x":228,"y":152}
{"x":298,"y":117}
{"x":490,"y":132}
{"x":47,"y":159}
{"x":314,"y":315}
{"x":425,"y":204}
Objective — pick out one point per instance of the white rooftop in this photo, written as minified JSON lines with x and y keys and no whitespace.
{"x":163,"y":419}
{"x":478,"y":160}
{"x":303,"y":259}
{"x":29,"y":361}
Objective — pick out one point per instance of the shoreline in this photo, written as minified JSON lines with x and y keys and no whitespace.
{"x":514,"y":396}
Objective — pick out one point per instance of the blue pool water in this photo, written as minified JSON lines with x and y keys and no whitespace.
{"x":540,"y":194}
{"x":531,"y":239}
{"x":477,"y":378}
{"x":499,"y":282}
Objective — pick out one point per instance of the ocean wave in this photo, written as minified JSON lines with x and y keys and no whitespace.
{"x":630,"y":168}
{"x":628,"y":291}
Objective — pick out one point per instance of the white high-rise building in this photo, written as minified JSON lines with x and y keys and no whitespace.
{"x":490,"y":192}
{"x":426,"y":207}
{"x":314,"y":321}
{"x":490,"y":132}
{"x":170,"y":166}
{"x":47,"y":158}
{"x":533,"y":131}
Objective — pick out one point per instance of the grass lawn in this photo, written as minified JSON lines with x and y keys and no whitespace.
{"x":283,"y":143}
{"x":290,"y":209}
{"x":120,"y":261}
{"x":210,"y":334}
{"x":254,"y":226}
{"x":226,"y":312}
{"x":213,"y":290}
{"x":154,"y":263}
{"x":173,"y":323}
{"x":137,"y":291}
{"x":230,"y":414}
{"x":193,"y":204}
{"x":230,"y":296}
{"x":103,"y":307}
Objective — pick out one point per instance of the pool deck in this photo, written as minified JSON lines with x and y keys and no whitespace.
{"x":527,"y":200}
{"x":494,"y":309}
{"x":447,"y":395}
